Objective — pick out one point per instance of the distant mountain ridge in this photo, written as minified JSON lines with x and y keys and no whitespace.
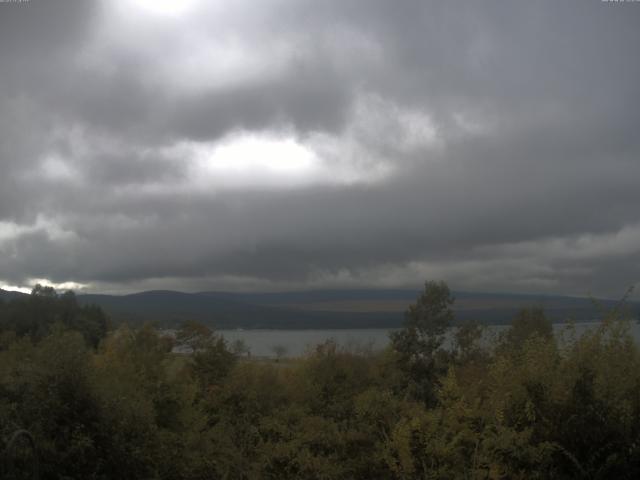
{"x":361,"y":308}
{"x":320,"y":309}
{"x":227,"y":310}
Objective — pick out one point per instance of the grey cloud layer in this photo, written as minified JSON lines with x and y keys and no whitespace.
{"x":529,"y":181}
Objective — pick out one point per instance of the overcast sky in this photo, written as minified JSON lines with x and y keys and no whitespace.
{"x":243,"y":145}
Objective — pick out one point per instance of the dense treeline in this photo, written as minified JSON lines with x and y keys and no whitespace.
{"x":35,"y":315}
{"x":529,"y":405}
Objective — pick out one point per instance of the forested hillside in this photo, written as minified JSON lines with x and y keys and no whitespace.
{"x":119,"y":404}
{"x":313,"y":309}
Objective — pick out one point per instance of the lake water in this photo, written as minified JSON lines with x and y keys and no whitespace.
{"x":263,"y":343}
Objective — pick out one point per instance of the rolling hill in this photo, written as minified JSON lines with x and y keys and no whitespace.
{"x":332,"y":308}
{"x":319,"y":309}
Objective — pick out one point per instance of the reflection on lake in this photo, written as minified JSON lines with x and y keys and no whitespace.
{"x":265,"y":343}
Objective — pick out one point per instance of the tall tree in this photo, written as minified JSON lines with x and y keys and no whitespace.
{"x":418,"y":343}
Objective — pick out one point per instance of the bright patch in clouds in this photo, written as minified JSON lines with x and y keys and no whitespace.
{"x":256,"y":160}
{"x":62,"y":286}
{"x":185,"y":47}
{"x":15,"y":288}
{"x":168,"y":8}
{"x":59,"y":287}
{"x":251,"y":153}
{"x":259,"y":160}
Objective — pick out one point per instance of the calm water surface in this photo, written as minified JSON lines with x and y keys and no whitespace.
{"x":263,"y":343}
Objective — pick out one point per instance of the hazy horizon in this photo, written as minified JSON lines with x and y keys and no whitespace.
{"x":417,"y":290}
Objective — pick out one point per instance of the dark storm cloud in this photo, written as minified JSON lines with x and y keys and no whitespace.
{"x":506,"y":134}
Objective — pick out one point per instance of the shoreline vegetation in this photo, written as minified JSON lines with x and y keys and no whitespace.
{"x":105,"y":402}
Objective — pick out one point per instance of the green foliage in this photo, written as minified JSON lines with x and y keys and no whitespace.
{"x":535,"y":405}
{"x":467,"y":342}
{"x":152,"y":423}
{"x":46,"y":389}
{"x":417,"y":344}
{"x":210,"y":360}
{"x":213,"y":362}
{"x":426,"y":321}
{"x":527,"y":323}
{"x":35,"y":315}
